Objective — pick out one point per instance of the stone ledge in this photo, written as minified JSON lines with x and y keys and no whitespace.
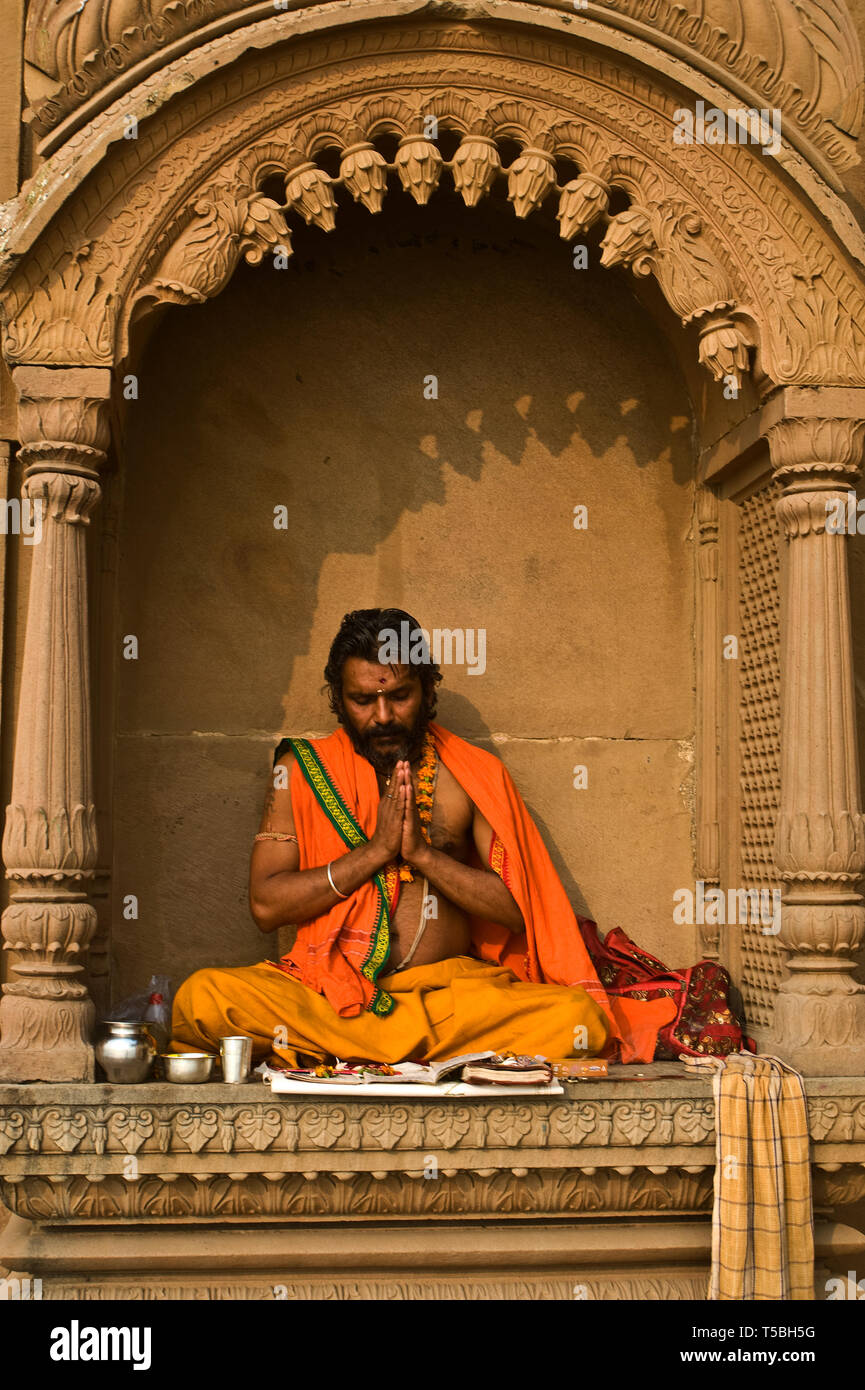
{"x":662,"y":1119}
{"x":160,"y":1153}
{"x":215,"y":1191}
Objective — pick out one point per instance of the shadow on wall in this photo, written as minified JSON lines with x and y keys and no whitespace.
{"x":305,"y":388}
{"x":459,"y":714}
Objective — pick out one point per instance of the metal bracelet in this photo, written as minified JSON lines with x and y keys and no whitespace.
{"x":332,"y":884}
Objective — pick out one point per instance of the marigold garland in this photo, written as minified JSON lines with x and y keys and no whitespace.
{"x":426,"y":780}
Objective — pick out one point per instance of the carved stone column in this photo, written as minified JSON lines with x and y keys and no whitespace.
{"x":49,"y":842}
{"x":819,"y":1020}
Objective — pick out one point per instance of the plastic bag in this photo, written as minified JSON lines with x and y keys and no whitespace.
{"x":153,"y":1007}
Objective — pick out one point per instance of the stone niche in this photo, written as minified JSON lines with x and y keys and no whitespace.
{"x":305,"y":389}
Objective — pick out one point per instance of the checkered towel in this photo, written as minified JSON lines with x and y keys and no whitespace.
{"x":762,"y":1223}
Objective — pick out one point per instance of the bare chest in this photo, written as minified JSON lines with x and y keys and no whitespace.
{"x":450,"y":825}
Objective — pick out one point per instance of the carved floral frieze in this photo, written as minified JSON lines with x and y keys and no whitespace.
{"x":201,"y":1128}
{"x":309,"y":1128}
{"x":318,"y":1196}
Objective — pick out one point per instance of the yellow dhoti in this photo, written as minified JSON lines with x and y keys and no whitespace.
{"x":442,"y":1010}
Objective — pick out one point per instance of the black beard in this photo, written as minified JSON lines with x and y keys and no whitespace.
{"x":384,"y":760}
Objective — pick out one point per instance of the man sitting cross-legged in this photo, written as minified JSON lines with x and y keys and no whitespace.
{"x":431,"y":919}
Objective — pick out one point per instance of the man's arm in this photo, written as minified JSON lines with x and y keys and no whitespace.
{"x":280,"y":893}
{"x":479,"y":892}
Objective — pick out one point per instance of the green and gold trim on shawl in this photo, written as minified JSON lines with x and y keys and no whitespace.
{"x":342,"y":819}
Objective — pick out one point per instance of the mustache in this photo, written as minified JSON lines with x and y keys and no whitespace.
{"x":405,"y":741}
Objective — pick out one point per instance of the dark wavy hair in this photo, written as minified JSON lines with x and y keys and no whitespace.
{"x":359,"y":636}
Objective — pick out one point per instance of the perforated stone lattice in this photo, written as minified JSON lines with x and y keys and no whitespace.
{"x":759,"y":736}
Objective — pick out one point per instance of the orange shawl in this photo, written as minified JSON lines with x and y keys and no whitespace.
{"x":339,"y":953}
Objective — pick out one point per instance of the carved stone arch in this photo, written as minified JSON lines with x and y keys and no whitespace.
{"x":665,"y":238}
{"x":734,"y":250}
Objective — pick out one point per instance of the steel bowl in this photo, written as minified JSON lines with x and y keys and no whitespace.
{"x":187,"y":1066}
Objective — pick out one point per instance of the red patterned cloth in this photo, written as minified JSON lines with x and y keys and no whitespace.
{"x":705,"y":1024}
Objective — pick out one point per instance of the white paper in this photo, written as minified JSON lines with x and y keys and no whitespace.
{"x":285,"y":1085}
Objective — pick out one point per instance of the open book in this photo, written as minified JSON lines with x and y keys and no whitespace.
{"x":377,"y":1074}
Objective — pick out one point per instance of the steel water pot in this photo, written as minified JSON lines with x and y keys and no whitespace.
{"x":127,"y":1051}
